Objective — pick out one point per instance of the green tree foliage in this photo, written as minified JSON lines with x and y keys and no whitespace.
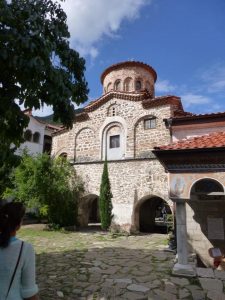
{"x":7,"y":160}
{"x":37,"y":65}
{"x":51,"y":185}
{"x":105,"y":203}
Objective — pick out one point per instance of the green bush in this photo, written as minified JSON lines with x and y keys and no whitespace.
{"x":50,"y":185}
{"x":169,"y":222}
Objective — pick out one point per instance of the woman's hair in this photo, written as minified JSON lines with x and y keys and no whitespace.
{"x":11,"y":215}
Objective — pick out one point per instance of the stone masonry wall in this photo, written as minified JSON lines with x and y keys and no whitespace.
{"x":135,"y":73}
{"x":85,"y":145}
{"x":146,"y":139}
{"x":63,"y":142}
{"x":131,"y":181}
{"x":85,"y":140}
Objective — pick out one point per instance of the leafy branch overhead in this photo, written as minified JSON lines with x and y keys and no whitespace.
{"x":37,"y":65}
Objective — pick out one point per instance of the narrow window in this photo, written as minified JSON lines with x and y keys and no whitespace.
{"x":28,"y":135}
{"x":127,"y":84}
{"x":36,"y":137}
{"x":150,"y":123}
{"x":138,"y":85}
{"x":118,"y":85}
{"x":114,"y":141}
{"x":148,"y":86}
{"x":112,"y":111}
{"x":109,"y":87}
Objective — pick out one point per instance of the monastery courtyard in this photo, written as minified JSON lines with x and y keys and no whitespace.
{"x":96,"y":265}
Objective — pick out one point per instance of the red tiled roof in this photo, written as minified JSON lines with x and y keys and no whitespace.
{"x":117,"y":94}
{"x":54,"y":127}
{"x":143,"y":96}
{"x":179,"y":113}
{"x":163,"y":100}
{"x":198,"y":116}
{"x":128,"y":64}
{"x":212,"y":140}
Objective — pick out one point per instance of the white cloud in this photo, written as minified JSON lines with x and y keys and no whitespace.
{"x":90,"y":20}
{"x":190,"y":99}
{"x":164,"y":86}
{"x":214,"y":78}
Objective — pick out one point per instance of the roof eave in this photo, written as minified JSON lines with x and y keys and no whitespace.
{"x":175,"y":151}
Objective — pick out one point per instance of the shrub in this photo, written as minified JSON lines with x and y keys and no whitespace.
{"x":50,"y":185}
{"x":105,"y":203}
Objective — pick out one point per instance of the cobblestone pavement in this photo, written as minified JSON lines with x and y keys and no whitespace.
{"x":100,"y":266}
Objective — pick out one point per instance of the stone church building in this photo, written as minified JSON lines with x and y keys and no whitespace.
{"x":159,"y":156}
{"x":124,"y":125}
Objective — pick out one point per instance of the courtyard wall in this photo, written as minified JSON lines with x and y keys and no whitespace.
{"x":131,"y":182}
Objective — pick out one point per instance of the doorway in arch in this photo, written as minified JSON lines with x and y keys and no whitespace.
{"x":155,"y":215}
{"x":94,"y":217}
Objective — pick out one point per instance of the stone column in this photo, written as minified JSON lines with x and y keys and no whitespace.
{"x":182,"y":267}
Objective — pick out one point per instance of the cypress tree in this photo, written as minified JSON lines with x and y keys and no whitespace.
{"x":105,"y":203}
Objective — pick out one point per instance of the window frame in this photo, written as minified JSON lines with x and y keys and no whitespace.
{"x":117,"y":141}
{"x":138,"y":81}
{"x":117,"y":84}
{"x":128,"y":84}
{"x":151,"y":121}
{"x":112,"y":110}
{"x":36,"y":137}
{"x":109,"y":87}
{"x":28,"y":131}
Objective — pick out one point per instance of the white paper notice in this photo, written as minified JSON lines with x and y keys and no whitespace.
{"x":215,"y":228}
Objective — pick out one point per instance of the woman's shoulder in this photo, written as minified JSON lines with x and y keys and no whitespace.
{"x":26,"y":245}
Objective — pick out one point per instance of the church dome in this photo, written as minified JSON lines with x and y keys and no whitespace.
{"x":129,"y":76}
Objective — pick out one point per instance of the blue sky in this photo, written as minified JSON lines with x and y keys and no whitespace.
{"x":183,"y":40}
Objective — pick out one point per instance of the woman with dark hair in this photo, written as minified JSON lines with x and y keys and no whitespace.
{"x":17,"y":258}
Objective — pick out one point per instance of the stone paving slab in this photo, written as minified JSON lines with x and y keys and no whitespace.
{"x":71,"y":267}
{"x":205,"y":272}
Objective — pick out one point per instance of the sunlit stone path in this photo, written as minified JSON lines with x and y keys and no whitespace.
{"x":98,"y":265}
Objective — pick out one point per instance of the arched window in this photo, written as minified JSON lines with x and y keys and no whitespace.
{"x":114,"y":140}
{"x":28,"y":135}
{"x":117,"y":85}
{"x":112,"y":110}
{"x":138,"y":85}
{"x":63,"y":155}
{"x":109,"y":87}
{"x":36,"y":137}
{"x":207,"y":189}
{"x":127,"y":84}
{"x":148,"y":86}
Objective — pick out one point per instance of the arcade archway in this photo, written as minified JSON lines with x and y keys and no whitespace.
{"x":88,"y":211}
{"x":153,"y":215}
